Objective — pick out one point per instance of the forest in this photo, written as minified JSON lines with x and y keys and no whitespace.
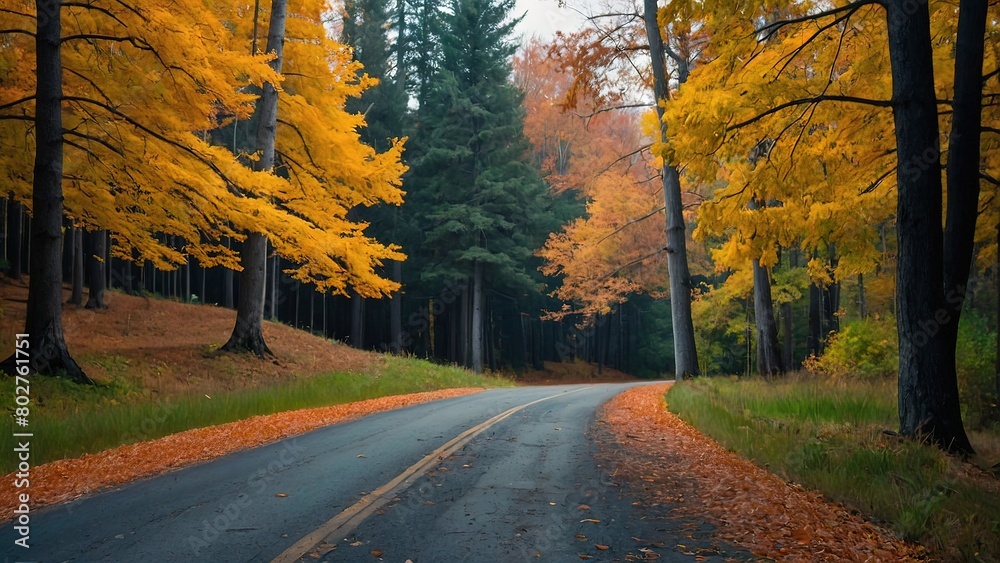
{"x":686,"y":188}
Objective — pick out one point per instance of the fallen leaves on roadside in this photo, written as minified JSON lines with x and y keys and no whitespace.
{"x":692,"y":476}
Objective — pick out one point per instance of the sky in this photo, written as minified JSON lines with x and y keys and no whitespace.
{"x":545,"y":17}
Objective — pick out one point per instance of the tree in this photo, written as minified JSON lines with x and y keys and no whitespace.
{"x":44,"y":316}
{"x":685,"y":353}
{"x":96,"y":280}
{"x":800,"y":85}
{"x":480,"y":195}
{"x":329,"y":170}
{"x":248,"y":333}
{"x":933,"y":267}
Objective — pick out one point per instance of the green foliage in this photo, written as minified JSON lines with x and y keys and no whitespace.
{"x":976,"y":364}
{"x":866,"y":349}
{"x":827,"y":434}
{"x":77,"y":419}
{"x":474,"y":192}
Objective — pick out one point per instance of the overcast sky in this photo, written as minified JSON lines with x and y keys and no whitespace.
{"x":545,"y":17}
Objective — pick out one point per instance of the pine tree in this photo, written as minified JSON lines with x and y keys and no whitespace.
{"x":481,"y":196}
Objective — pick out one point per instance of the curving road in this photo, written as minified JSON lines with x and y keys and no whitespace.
{"x":503,"y":475}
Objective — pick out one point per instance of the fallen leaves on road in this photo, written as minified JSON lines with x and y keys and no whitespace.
{"x":692,"y":476}
{"x":68,"y":479}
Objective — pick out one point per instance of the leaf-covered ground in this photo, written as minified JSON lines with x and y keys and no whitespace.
{"x":682,"y":473}
{"x":72,"y":478}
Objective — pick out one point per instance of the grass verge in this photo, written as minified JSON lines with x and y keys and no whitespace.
{"x":69,"y":420}
{"x":829,"y":436}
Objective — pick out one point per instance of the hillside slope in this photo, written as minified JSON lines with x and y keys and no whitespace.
{"x":165,"y":348}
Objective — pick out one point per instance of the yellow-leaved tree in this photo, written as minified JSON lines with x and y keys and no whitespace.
{"x":305,"y":132}
{"x":127,"y":116}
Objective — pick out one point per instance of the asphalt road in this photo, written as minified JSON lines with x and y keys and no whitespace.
{"x":503,"y":475}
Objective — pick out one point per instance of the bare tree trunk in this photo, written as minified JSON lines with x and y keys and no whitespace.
{"x":768,"y":351}
{"x":43,"y":322}
{"x":477,"y":319}
{"x":95,"y":270}
{"x":928,"y":384}
{"x":685,"y":353}
{"x":76,"y":298}
{"x":357,"y":321}
{"x":15,"y":226}
{"x":248,"y":334}
{"x":464,"y":330}
{"x":816,"y":337}
{"x":396,"y":311}
{"x":787,"y":348}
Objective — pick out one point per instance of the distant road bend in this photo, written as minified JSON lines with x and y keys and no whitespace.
{"x":503,"y":475}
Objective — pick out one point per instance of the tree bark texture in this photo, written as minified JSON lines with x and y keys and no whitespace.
{"x":685,"y":352}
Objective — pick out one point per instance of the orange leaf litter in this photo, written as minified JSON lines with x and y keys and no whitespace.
{"x":69,"y":479}
{"x":680,"y":468}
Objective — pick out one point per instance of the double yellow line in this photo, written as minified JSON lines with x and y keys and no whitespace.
{"x":345,"y":522}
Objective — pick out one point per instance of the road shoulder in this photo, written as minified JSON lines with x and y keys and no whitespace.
{"x":679,"y":473}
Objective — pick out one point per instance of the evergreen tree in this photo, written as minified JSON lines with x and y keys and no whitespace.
{"x":483,"y":201}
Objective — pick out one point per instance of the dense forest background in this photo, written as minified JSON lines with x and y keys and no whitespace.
{"x":498,"y":202}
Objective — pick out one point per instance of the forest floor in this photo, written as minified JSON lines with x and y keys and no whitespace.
{"x":166,"y":348}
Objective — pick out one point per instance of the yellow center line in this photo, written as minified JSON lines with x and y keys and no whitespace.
{"x":349,"y":519}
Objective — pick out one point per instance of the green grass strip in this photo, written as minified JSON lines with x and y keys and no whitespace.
{"x":830,"y":436}
{"x":69,"y":420}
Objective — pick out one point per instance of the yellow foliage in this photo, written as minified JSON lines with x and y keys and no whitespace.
{"x":143,"y":83}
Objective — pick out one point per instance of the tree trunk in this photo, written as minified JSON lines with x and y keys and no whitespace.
{"x":95,"y":270}
{"x":815,"y":340}
{"x":248,"y":334}
{"x":464,"y":330}
{"x":477,"y":319}
{"x":768,"y":350}
{"x":357,"y":321}
{"x":228,"y":281}
{"x":15,"y":226}
{"x":928,"y":385}
{"x":396,"y":310}
{"x":787,"y":348}
{"x":275,"y":292}
{"x":76,"y":297}
{"x":43,"y":322}
{"x":685,"y":353}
